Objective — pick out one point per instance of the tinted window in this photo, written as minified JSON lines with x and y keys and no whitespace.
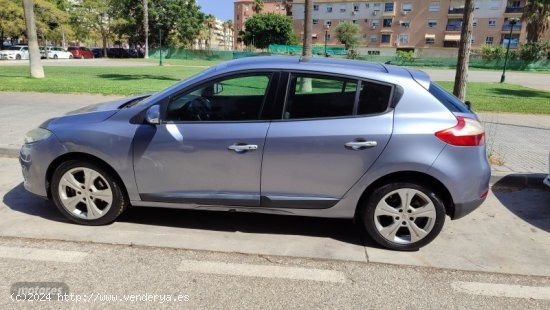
{"x":447,"y":99}
{"x":230,"y":99}
{"x":373,"y":98}
{"x":319,"y":96}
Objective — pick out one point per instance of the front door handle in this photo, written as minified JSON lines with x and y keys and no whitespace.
{"x":361,"y":145}
{"x":241,"y":148}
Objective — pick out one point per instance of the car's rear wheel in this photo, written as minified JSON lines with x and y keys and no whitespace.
{"x":403,"y":216}
{"x":18,"y":57}
{"x":86,"y":193}
{"x":55,"y":56}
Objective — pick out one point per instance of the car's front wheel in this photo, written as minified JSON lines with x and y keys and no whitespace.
{"x":403,"y":216}
{"x":86,"y":193}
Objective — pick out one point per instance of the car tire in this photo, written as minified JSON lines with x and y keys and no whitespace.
{"x":18,"y":57}
{"x":87,"y":193}
{"x":55,"y":56}
{"x":70,"y":56}
{"x":404,"y":226}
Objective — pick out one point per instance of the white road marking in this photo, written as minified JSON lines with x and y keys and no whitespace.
{"x":502,"y":290}
{"x":264,"y":271}
{"x":42,"y":254}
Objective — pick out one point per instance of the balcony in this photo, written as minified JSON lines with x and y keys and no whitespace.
{"x":454,"y":27}
{"x":514,"y":10}
{"x":508,"y":27}
{"x":456,"y":10}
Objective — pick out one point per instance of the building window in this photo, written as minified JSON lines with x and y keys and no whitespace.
{"x":375,"y":23}
{"x":315,"y":21}
{"x":492,"y":23}
{"x":430,"y":40}
{"x":329,"y":9}
{"x":316,"y":7}
{"x":406,"y":7}
{"x":473,"y":39}
{"x":385,"y":38}
{"x":489,"y":40}
{"x":495,"y":4}
{"x":403,"y":39}
{"x":388,"y":7}
{"x":474,"y":22}
{"x":387,"y":22}
{"x":356,"y":7}
{"x":432,"y":23}
{"x":343,"y":9}
{"x":373,"y":38}
{"x":328,"y":37}
{"x":434,"y":6}
{"x":354,"y":21}
{"x":405,"y":23}
{"x":328,"y":23}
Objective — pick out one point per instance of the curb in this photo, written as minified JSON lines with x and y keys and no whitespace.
{"x":498,"y":179}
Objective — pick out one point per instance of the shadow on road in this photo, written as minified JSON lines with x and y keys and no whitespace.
{"x":529,"y":202}
{"x":18,"y":199}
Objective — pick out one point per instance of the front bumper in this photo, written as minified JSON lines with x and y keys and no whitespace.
{"x":35,"y":159}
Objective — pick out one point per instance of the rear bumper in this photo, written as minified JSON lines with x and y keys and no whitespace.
{"x":463,"y":209}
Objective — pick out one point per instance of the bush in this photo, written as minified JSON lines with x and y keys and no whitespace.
{"x":534,"y":51}
{"x":405,"y":56}
{"x":492,"y":52}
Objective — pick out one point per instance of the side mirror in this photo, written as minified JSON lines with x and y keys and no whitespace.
{"x":469,"y":105}
{"x":153,"y":115}
{"x":218,"y":88}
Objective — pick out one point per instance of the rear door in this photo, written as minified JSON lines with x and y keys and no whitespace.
{"x":331,"y":132}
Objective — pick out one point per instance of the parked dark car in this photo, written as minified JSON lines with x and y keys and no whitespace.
{"x":80,"y":52}
{"x":118,"y":52}
{"x":98,"y":52}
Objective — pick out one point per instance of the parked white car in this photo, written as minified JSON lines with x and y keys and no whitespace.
{"x":15,"y":52}
{"x":58,"y":52}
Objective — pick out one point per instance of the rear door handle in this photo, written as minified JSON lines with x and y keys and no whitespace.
{"x":361,"y":145}
{"x":241,"y":148}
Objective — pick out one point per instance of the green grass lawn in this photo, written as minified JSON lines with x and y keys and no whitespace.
{"x":489,"y":97}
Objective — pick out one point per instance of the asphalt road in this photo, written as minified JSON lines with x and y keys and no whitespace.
{"x":117,"y":276}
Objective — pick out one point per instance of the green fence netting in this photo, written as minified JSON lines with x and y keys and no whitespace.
{"x":181,"y":53}
{"x":297,"y":50}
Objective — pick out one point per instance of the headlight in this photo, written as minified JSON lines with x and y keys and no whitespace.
{"x":37,"y":134}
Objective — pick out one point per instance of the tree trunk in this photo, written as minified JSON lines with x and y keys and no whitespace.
{"x":464,"y":51}
{"x":34,"y":54}
{"x":104,"y":41}
{"x":308,"y":25}
{"x":146,"y":26}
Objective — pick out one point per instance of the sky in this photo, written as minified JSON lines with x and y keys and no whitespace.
{"x":222,"y":9}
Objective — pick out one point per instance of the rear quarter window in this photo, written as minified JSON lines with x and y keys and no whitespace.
{"x":447,"y":99}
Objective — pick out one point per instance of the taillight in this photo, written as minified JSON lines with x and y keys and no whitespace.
{"x":468,"y":132}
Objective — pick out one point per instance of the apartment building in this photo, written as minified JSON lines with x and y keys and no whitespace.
{"x":411,"y":24}
{"x":244,"y":9}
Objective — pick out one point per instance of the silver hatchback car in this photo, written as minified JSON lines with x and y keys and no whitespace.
{"x":311,"y":137}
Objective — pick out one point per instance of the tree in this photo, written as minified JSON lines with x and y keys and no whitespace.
{"x":348,"y":34}
{"x":34,"y":55}
{"x":209,"y":23}
{"x":461,"y":76}
{"x":265,"y":29}
{"x":308,"y":25}
{"x":12,"y":19}
{"x":258,"y":6}
{"x":536,"y":14}
{"x":97,"y":15}
{"x":288,"y":7}
{"x":227,"y":29}
{"x":146,"y":27}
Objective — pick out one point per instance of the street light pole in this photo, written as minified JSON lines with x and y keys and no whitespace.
{"x":160,"y":44}
{"x":327,"y":27}
{"x":512,"y":22}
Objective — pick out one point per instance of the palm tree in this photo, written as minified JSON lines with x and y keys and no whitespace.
{"x":209,"y":23}
{"x":258,"y":6}
{"x":146,"y":27}
{"x":37,"y":71}
{"x":227,"y":29}
{"x":308,"y":25}
{"x":537,"y":16}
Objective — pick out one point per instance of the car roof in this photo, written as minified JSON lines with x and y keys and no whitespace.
{"x":320,"y":64}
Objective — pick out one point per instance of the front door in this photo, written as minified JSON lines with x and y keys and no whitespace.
{"x":208,"y":149}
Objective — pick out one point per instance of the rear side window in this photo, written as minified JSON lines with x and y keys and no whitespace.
{"x":313,"y":96}
{"x":373,"y":98}
{"x":447,"y":99}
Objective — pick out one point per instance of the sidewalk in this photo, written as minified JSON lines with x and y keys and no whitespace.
{"x":518,"y":143}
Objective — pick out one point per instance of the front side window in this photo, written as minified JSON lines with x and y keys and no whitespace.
{"x":236,"y":98}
